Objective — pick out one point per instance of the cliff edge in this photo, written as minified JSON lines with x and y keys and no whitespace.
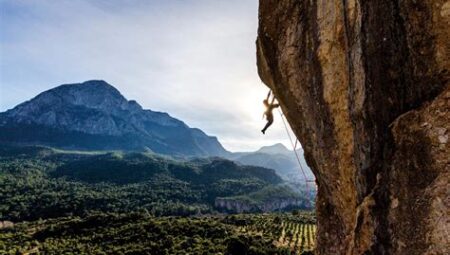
{"x":364,"y":85}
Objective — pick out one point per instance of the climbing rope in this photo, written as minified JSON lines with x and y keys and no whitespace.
{"x":294,"y":146}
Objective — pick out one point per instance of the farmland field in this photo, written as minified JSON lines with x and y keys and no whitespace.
{"x":293,"y":232}
{"x":141,"y":233}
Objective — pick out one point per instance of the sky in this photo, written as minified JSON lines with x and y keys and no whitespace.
{"x":194,"y":59}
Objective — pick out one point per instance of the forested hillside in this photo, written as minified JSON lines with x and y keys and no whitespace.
{"x":39,"y":182}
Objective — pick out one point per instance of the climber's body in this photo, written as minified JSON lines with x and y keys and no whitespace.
{"x":268,"y":113}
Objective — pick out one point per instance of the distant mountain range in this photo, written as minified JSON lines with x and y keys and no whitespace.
{"x":94,"y":115}
{"x":277,"y":157}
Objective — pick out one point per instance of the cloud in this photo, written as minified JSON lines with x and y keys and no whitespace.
{"x":193,"y":59}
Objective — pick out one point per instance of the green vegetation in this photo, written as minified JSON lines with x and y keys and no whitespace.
{"x":141,"y":233}
{"x":130,"y":203}
{"x":41,"y":183}
{"x":266,"y":194}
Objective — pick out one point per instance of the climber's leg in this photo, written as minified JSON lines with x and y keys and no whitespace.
{"x":269,"y":122}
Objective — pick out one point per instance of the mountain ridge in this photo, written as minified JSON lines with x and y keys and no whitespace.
{"x":95,"y":115}
{"x":277,"y":148}
{"x":279,"y":158}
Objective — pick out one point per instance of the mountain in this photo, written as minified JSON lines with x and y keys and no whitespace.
{"x":94,"y":115}
{"x":277,"y":148}
{"x":279,"y":158}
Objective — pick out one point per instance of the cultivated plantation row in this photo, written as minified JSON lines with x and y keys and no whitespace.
{"x":294,"y":232}
{"x":141,"y":233}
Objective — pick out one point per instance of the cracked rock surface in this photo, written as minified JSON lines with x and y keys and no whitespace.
{"x":364,"y":85}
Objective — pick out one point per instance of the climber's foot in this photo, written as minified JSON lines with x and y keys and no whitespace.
{"x":263,"y":131}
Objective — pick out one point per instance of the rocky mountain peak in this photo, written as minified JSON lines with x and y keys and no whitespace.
{"x":96,"y":108}
{"x":93,"y":94}
{"x":88,"y":90}
{"x":277,"y":148}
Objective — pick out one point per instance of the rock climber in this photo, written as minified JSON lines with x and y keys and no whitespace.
{"x":268,"y":113}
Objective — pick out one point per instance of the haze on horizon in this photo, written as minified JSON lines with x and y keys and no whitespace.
{"x":194,"y":59}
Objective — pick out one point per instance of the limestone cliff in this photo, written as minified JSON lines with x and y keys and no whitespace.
{"x":364,"y":84}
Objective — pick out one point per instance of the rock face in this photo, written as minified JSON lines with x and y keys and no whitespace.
{"x":95,"y":115}
{"x":364,"y":84}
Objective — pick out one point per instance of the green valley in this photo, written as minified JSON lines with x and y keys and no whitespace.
{"x":40,"y":183}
